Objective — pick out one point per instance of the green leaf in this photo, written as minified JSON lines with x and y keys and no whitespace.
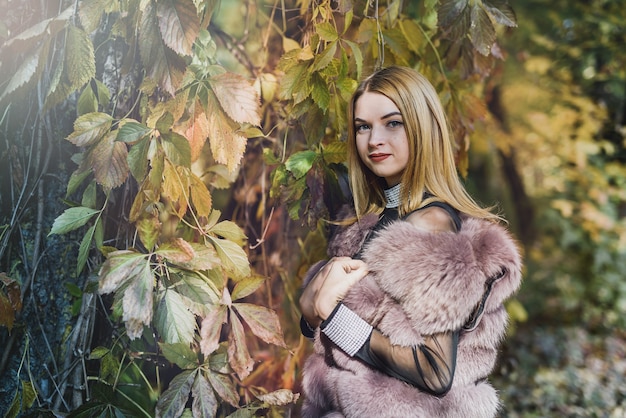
{"x":325,"y":57}
{"x":247,"y":286}
{"x":357,"y":56}
{"x":76,"y":179}
{"x":320,"y":92}
{"x":149,"y":230}
{"x":262,"y":321}
{"x":204,"y":401}
{"x":235,"y":260}
{"x":91,"y":11}
{"x":172,"y":401}
{"x":83,"y":251}
{"x":335,"y":152}
{"x":26,"y":71}
{"x":87,"y":101}
{"x":71,"y":219}
{"x":177,"y":149}
{"x":327,"y":31}
{"x":198,"y":295}
{"x":98,"y":352}
{"x":300,"y":163}
{"x":180,"y":354}
{"x":174,"y":322}
{"x":90,"y":128}
{"x":230,"y":231}
{"x":138,"y":162}
{"x":132,"y":131}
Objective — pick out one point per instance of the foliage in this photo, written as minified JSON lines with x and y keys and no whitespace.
{"x":191,"y":129}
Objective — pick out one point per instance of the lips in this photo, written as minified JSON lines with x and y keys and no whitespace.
{"x":378,"y":157}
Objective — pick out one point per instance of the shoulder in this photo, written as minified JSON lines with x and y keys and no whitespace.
{"x":432,"y":219}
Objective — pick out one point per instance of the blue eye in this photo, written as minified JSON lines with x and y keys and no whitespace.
{"x":395,"y":123}
{"x":360,"y":128}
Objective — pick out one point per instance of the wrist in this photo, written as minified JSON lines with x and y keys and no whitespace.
{"x":346,"y":329}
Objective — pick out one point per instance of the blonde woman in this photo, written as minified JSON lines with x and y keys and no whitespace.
{"x":407,"y":314}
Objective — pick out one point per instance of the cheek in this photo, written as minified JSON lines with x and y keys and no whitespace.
{"x":362,"y":148}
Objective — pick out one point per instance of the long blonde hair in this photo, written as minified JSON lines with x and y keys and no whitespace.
{"x":431,"y":169}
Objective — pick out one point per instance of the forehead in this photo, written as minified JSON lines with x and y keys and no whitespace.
{"x":373,"y":105}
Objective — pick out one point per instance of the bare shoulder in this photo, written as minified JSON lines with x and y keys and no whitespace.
{"x":432,"y":219}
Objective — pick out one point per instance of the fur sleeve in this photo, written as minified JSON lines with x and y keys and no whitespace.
{"x":439,"y":278}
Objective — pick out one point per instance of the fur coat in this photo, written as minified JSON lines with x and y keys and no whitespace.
{"x":419,"y":283}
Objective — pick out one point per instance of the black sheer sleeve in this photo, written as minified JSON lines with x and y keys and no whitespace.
{"x":429,"y":366}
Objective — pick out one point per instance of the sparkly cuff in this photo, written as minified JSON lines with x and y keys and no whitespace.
{"x":346,"y":329}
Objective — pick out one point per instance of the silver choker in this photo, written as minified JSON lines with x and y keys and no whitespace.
{"x":392,"y":196}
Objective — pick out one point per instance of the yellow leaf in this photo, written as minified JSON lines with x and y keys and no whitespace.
{"x":200,"y":196}
{"x":226,"y":146}
{"x":237,"y":97}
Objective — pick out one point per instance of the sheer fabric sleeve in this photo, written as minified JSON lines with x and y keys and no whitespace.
{"x":429,"y":366}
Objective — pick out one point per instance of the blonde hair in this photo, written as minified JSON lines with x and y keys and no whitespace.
{"x":431,"y":168}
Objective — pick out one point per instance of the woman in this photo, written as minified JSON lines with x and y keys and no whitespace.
{"x":408,"y":313}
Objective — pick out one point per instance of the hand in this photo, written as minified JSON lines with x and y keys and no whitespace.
{"x":329,"y":286}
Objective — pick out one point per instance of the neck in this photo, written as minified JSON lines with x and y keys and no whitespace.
{"x":392,"y":196}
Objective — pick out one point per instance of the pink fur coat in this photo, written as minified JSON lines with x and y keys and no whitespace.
{"x":419,"y":283}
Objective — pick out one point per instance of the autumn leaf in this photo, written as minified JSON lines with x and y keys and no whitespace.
{"x":481,"y":32}
{"x":225,"y":387}
{"x":229,"y":230}
{"x":89,"y":128}
{"x":226,"y":146}
{"x":138,"y":302}
{"x":247,"y":286}
{"x":26,"y":71}
{"x":176,"y":250}
{"x":198,"y":295}
{"x":279,"y":397}
{"x":109,"y":162}
{"x":206,"y":258}
{"x":238,"y":355}
{"x":80,"y":61}
{"x":238,"y":97}
{"x":179,"y":24}
{"x":162,"y":64}
{"x":210,"y":329}
{"x":262,"y":321}
{"x":196,"y":131}
{"x":119,"y":267}
{"x":172,"y":401}
{"x":200,"y":196}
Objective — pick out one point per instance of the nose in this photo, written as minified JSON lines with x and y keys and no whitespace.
{"x":376,"y":137}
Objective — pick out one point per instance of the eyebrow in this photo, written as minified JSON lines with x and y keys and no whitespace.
{"x":388,"y":115}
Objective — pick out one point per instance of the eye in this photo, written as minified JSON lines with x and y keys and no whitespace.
{"x":394,"y":123}
{"x":361,"y":128}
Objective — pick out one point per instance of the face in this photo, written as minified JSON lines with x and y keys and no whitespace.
{"x":380,"y":136}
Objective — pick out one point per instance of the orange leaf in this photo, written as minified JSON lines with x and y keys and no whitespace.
{"x":109,"y":161}
{"x":262,"y":321}
{"x":226,"y":146}
{"x":197,"y":131}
